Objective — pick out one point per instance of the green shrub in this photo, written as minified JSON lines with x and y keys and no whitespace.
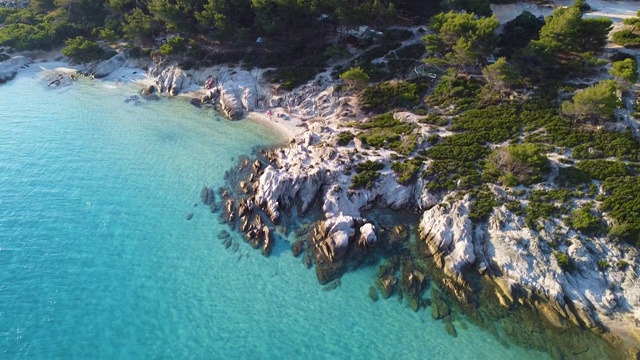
{"x":387,"y":96}
{"x":290,"y":77}
{"x":175,"y":45}
{"x":82,"y":50}
{"x":626,"y":70}
{"x":626,"y":38}
{"x":406,"y":171}
{"x":583,"y":220}
{"x":384,"y":131}
{"x":571,"y":176}
{"x":482,"y":205}
{"x":344,"y":138}
{"x":517,"y":164}
{"x":564,"y":261}
{"x":433,"y":139}
{"x":432,"y":119}
{"x":108,"y":36}
{"x":366,"y":174}
{"x":453,"y":90}
{"x":355,"y":77}
{"x":597,"y":102}
{"x":622,"y":265}
{"x":603,"y":169}
{"x":494,"y":124}
{"x":5,"y":12}
{"x":542,"y":205}
{"x":623,"y":204}
{"x":603,"y":264}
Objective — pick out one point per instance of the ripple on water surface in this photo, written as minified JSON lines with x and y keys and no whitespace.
{"x":97,"y":259}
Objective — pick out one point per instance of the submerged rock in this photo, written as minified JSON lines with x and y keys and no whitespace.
{"x":439,"y":307}
{"x":451,"y":330}
{"x":297,"y":248}
{"x":189,"y":216}
{"x":373,"y":293}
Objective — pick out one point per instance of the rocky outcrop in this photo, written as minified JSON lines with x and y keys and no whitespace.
{"x":230,"y":102}
{"x":339,"y":230}
{"x":367,"y":235}
{"x":525,"y":270}
{"x":170,"y":79}
{"x":447,"y":231}
{"x":10,"y":67}
{"x":235,"y":90}
{"x":106,"y":67}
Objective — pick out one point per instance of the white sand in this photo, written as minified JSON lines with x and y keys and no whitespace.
{"x":287,"y":127}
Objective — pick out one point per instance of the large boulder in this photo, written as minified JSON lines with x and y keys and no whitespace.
{"x":106,"y":67}
{"x":9,"y":68}
{"x":339,"y":230}
{"x":230,"y":102}
{"x":367,"y":235}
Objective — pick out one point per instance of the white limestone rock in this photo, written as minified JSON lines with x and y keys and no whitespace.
{"x":367,"y":235}
{"x":10,"y":67}
{"x":106,"y":67}
{"x":448,"y":232}
{"x":339,"y":230}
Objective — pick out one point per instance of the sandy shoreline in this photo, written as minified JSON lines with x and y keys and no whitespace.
{"x":284,"y":125}
{"x":288,"y":128}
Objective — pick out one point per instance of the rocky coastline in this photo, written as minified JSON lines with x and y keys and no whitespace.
{"x":501,"y":263}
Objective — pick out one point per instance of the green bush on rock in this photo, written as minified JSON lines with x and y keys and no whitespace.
{"x":367,"y":174}
{"x":406,"y":171}
{"x":585,"y":221}
{"x":517,"y":164}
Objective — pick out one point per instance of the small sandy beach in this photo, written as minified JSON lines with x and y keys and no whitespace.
{"x":288,"y":126}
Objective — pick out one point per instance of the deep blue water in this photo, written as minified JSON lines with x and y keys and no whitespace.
{"x":98,"y":260}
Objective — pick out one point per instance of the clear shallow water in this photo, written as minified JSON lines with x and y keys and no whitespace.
{"x":97,"y":259}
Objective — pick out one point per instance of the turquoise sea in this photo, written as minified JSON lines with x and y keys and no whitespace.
{"x":98,"y":259}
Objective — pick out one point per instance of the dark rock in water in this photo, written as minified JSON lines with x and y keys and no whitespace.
{"x":213,"y":207}
{"x":373,"y":293}
{"x":227,"y":243}
{"x":307,"y":260}
{"x":413,"y":303}
{"x":207,"y":196}
{"x":235,"y":247}
{"x":332,"y":285}
{"x":297,"y":248}
{"x":439,"y":308}
{"x":244,"y":223}
{"x":189,"y":216}
{"x":257,"y":165}
{"x":151,"y":97}
{"x":151,"y":89}
{"x":223,"y":234}
{"x":451,"y":330}
{"x":195,"y":205}
{"x":386,"y":285}
{"x":243,"y":208}
{"x":196,"y":102}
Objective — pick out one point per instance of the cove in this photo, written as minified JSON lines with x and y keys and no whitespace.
{"x":98,"y":259}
